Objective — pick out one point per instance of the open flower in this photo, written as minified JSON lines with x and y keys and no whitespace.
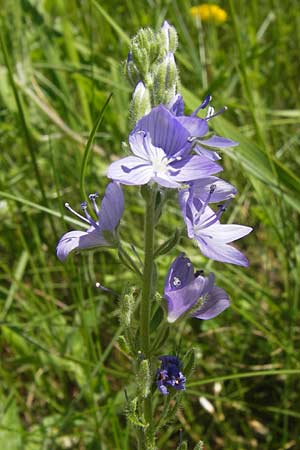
{"x":170,"y":375}
{"x":204,"y":226}
{"x":192,"y":293}
{"x":101,"y":232}
{"x":198,"y":127}
{"x":161,"y":146}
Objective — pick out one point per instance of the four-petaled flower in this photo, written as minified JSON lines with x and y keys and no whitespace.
{"x":192,"y":293}
{"x":204,"y":226}
{"x":161,"y":144}
{"x":101,"y":232}
{"x":198,"y":128}
{"x":170,"y":375}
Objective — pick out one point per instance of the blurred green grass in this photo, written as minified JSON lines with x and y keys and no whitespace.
{"x":62,"y":374}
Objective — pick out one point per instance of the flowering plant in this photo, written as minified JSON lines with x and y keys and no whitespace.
{"x":167,"y":150}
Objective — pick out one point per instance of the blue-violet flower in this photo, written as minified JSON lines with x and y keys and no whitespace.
{"x":192,"y":293}
{"x":161,"y":147}
{"x":100,"y":232}
{"x":197,"y":127}
{"x":170,"y":375}
{"x":204,"y":226}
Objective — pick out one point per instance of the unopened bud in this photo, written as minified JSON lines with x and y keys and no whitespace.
{"x":166,"y":79}
{"x":132,"y":71}
{"x":199,"y":446}
{"x":127,"y":308}
{"x":123,"y":344}
{"x":141,"y":103}
{"x":144,"y":378}
{"x":182,"y":446}
{"x":141,"y":59}
{"x":168,"y":38}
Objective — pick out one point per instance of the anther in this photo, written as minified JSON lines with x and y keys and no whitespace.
{"x":89,"y":218}
{"x":68,"y":207}
{"x":211,"y":116}
{"x":93,"y":197}
{"x":203,"y":105}
{"x":212,"y":188}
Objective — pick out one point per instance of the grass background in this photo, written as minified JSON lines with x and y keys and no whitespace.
{"x":62,"y":375}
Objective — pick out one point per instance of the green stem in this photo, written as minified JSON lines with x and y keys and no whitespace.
{"x":147,"y":288}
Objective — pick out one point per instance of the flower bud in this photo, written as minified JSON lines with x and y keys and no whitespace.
{"x":123,"y":344}
{"x":144,"y":378}
{"x":182,"y":446}
{"x":127,"y":308}
{"x":132,"y":71}
{"x":199,"y":446}
{"x":141,"y":103}
{"x":168,"y":38}
{"x":166,"y":80}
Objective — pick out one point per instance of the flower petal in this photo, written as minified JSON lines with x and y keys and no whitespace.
{"x":165,"y":131}
{"x":226,"y":233}
{"x":79,"y":240}
{"x":194,"y":167}
{"x":194,"y":125}
{"x":217,"y":301}
{"x":223,"y":190}
{"x":136,"y":142}
{"x":176,"y":106}
{"x":112,"y":207}
{"x":182,"y":300}
{"x":218,"y":141}
{"x":221,"y":252}
{"x":130,"y":170}
{"x":214,"y":156}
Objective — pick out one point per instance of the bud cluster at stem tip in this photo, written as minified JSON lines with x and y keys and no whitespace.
{"x":151,"y":69}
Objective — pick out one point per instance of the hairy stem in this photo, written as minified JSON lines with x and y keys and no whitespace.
{"x":147,"y":289}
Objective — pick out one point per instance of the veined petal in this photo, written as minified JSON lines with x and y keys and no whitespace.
{"x":194,"y":167}
{"x":217,"y":301}
{"x":226,"y":233}
{"x":218,"y":141}
{"x":112,"y":207}
{"x":214,"y":156}
{"x":130,"y":170}
{"x":181,"y":300}
{"x":165,"y":130}
{"x":136,"y":142}
{"x":221,"y":252}
{"x":166,"y":181}
{"x":194,"y":125}
{"x":176,"y":106}
{"x":183,"y":197}
{"x":79,"y":240}
{"x":222,"y":189}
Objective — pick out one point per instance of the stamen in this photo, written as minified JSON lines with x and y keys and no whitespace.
{"x":103,"y":288}
{"x":93,"y":197}
{"x":176,"y":282}
{"x":203,"y":105}
{"x":210,"y":111}
{"x":68,"y":207}
{"x":211,"y":116}
{"x":215,"y":217}
{"x":89,"y":218}
{"x":211,"y":191}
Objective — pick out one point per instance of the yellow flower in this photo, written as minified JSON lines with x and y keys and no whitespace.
{"x":206,"y":12}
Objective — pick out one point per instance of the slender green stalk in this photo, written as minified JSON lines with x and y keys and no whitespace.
{"x":147,"y":289}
